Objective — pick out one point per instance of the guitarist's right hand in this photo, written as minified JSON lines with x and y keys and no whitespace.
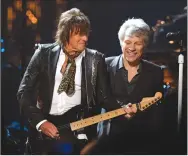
{"x":49,"y":129}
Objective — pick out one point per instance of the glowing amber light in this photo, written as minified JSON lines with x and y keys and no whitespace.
{"x":31,"y":17}
{"x":34,"y":20}
{"x":18,"y":5}
{"x":28,"y":12}
{"x":10,"y":13}
{"x":171,"y":42}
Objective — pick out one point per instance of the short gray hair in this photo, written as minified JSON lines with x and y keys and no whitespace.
{"x":134,"y":26}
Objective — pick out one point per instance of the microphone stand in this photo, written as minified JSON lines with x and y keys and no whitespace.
{"x":180,"y":85}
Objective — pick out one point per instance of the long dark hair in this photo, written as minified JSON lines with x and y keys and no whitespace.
{"x":71,"y":21}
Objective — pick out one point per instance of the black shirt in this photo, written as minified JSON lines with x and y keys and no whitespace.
{"x":122,"y":87}
{"x":124,"y":73}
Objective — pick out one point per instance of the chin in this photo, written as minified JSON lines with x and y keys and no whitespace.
{"x":82,"y":49}
{"x":131,"y":59}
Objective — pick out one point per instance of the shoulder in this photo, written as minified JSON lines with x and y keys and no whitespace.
{"x":46,"y":46}
{"x":152,"y":66}
{"x":110,"y":59}
{"x":43,"y":50}
{"x":94,"y":52}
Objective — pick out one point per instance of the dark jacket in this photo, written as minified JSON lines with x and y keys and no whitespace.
{"x":39,"y":80}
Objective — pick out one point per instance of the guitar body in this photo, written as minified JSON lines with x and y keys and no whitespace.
{"x":68,"y":143}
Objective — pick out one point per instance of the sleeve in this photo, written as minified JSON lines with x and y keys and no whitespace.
{"x":157,"y":113}
{"x":104,"y":94}
{"x":27,"y":90}
{"x":39,"y":124}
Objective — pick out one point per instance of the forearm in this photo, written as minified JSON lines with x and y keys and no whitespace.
{"x":29,"y":110}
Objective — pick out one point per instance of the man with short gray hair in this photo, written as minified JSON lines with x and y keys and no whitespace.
{"x":133,"y":78}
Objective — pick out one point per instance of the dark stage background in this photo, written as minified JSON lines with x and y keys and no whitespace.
{"x":27,"y":22}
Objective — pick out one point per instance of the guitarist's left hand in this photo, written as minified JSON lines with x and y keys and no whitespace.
{"x":130,"y":111}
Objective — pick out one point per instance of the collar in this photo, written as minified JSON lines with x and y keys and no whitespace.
{"x":121,"y":65}
{"x":82,"y":54}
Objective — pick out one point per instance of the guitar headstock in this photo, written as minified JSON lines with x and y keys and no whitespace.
{"x":147,"y":102}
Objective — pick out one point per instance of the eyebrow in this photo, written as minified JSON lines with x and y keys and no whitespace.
{"x":131,"y":41}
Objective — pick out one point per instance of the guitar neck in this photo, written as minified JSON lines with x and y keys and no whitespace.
{"x":144,"y":104}
{"x":95,"y":119}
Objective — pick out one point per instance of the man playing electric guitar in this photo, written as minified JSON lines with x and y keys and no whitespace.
{"x":71,"y":81}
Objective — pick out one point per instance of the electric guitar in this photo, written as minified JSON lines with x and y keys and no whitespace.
{"x":144,"y":104}
{"x":67,"y":131}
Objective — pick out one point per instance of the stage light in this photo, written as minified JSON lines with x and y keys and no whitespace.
{"x":31,"y":17}
{"x":18,"y":5}
{"x":171,"y":42}
{"x":28,"y":12}
{"x":167,"y":83}
{"x":2,"y":50}
{"x":162,"y":22}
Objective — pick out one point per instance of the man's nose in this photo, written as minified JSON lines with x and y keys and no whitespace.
{"x":132,"y":47}
{"x":85,"y":37}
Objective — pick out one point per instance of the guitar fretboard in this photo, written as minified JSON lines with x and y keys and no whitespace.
{"x":95,"y":119}
{"x":145,"y":103}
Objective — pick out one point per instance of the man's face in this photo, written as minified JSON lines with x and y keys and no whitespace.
{"x":132,"y":48}
{"x":77,"y":42}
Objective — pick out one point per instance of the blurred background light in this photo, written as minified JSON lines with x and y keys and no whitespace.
{"x":171,"y":42}
{"x":2,"y":50}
